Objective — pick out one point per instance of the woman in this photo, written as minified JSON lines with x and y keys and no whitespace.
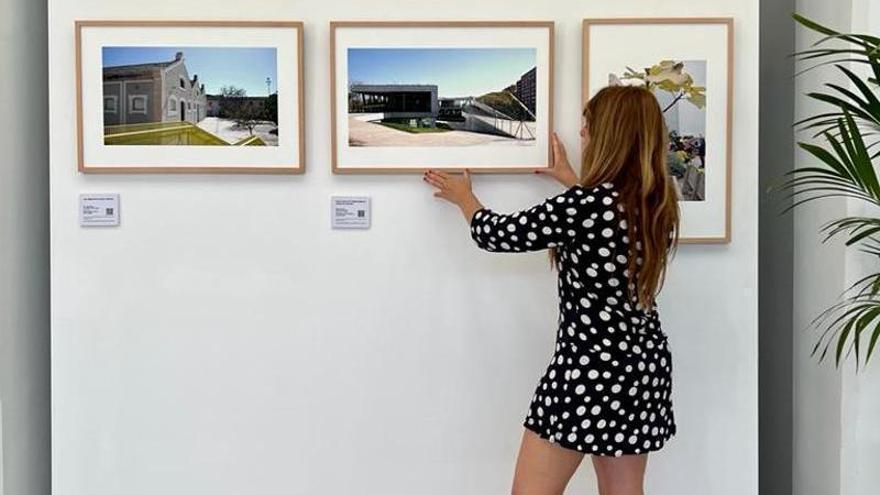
{"x":607,"y":390}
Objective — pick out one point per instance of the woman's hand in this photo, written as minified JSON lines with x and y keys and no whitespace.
{"x":456,"y":189}
{"x":560,"y":168}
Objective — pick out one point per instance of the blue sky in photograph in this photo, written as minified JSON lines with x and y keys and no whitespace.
{"x":455,"y":71}
{"x":242,"y":67}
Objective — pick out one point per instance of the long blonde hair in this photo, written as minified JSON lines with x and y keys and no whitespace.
{"x":628,"y":146}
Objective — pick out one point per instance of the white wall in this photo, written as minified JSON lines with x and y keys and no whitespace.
{"x":818,"y":280}
{"x":860,"y":407}
{"x":24,"y":253}
{"x":224,"y":340}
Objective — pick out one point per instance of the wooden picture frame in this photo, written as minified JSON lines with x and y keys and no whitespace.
{"x":545,"y":74}
{"x":93,"y":150}
{"x":696,"y":228}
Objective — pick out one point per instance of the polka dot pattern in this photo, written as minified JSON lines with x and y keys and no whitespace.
{"x":608,"y":387}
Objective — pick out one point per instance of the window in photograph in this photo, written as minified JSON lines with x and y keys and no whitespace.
{"x":111,"y":104}
{"x":137,"y":103}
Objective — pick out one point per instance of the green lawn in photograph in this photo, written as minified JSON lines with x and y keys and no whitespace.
{"x":160,"y":133}
{"x":414,"y":130}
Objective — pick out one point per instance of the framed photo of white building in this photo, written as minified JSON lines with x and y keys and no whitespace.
{"x":407,"y":96}
{"x":189,"y":96}
{"x":688,"y":65}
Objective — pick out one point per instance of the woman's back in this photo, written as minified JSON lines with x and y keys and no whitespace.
{"x":607,"y":389}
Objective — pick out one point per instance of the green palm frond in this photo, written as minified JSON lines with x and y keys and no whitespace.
{"x":848,"y":170}
{"x":844,"y":138}
{"x":862,"y":103}
{"x":856,"y":229}
{"x":848,"y":323}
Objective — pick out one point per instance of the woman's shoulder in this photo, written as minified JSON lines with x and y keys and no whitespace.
{"x":580,"y":200}
{"x":604,"y":193}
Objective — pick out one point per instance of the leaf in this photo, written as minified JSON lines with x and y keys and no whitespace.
{"x":826,"y":157}
{"x":698,"y":100}
{"x":872,"y":343}
{"x":862,"y":324}
{"x":832,"y":62}
{"x":870,"y":98}
{"x":839,"y":102}
{"x":861,"y":158}
{"x":815,"y":26}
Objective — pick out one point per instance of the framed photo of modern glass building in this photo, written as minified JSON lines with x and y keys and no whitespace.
{"x":407,"y":96}
{"x":189,"y":96}
{"x":688,"y":65}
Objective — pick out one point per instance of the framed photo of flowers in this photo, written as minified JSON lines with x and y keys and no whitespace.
{"x":688,"y":65}
{"x":189,"y":96}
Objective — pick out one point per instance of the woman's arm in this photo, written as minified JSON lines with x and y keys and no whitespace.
{"x":459,"y":191}
{"x":550,"y":223}
{"x":544,"y":225}
{"x":541,"y":226}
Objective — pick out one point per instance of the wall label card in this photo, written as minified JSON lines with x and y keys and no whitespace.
{"x":98,"y":210}
{"x":350,"y":212}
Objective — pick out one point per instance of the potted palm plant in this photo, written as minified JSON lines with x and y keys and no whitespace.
{"x":844,"y":142}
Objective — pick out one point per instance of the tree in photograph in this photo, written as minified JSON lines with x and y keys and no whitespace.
{"x":669,"y":76}
{"x":235,"y":105}
{"x":356,"y":101}
{"x":506,"y":102}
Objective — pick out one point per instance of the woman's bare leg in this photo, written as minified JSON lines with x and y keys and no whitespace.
{"x":623,"y":475}
{"x":543,"y":468}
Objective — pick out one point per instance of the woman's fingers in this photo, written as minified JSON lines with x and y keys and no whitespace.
{"x":447,"y":182}
{"x":435,"y":183}
{"x":437,"y":173}
{"x":435,"y":179}
{"x":559,"y":154}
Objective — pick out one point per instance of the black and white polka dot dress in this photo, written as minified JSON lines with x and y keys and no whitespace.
{"x":607,"y":389}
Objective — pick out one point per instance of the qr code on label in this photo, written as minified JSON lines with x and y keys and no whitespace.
{"x":361,"y":213}
{"x":108,"y":211}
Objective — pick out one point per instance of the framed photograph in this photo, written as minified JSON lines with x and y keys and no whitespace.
{"x":406,"y":96}
{"x":688,"y":65}
{"x":189,"y":96}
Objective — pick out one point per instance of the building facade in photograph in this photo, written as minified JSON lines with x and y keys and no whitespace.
{"x":526,"y":88}
{"x":395,"y":101}
{"x":153,"y":92}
